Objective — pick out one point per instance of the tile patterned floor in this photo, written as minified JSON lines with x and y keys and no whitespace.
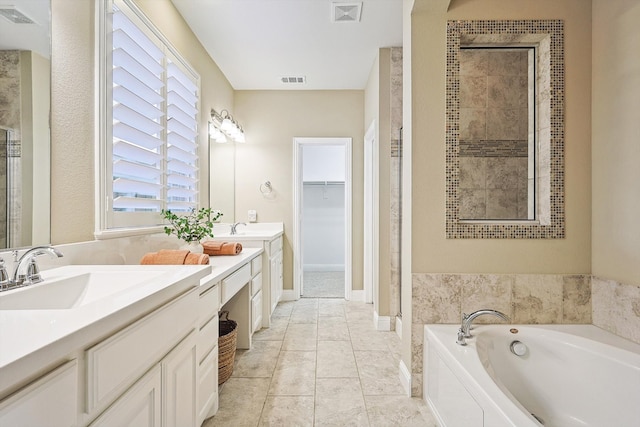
{"x":323,"y":284}
{"x":320,"y":364}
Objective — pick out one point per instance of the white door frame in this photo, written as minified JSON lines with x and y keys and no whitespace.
{"x":298,"y":143}
{"x":371,"y":215}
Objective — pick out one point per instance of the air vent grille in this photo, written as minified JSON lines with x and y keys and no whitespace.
{"x":14,"y":15}
{"x":290,"y":79}
{"x":346,"y":12}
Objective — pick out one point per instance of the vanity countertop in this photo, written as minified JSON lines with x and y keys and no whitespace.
{"x":32,"y":339}
{"x":223,"y":265}
{"x":252,"y":231}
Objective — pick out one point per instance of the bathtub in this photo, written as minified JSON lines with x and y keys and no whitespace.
{"x":567,"y":376}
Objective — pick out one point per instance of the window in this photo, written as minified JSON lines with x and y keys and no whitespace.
{"x":150,"y":132}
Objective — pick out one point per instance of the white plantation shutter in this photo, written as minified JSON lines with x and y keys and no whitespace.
{"x":182,"y":127}
{"x":154,"y":100}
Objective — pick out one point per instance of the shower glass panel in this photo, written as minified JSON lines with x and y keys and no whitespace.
{"x":10,"y":189}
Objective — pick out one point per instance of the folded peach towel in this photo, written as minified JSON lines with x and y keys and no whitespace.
{"x":174,"y":257}
{"x":221,"y":248}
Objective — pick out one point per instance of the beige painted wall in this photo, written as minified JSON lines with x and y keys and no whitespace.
{"x":73,"y":120}
{"x":271,"y":120}
{"x":616,"y":145}
{"x":431,"y":251}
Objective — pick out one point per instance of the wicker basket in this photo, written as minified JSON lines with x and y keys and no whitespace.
{"x":227,"y":334}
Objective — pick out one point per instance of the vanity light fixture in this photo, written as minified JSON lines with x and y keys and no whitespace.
{"x":223,"y":126}
{"x":216,"y":134}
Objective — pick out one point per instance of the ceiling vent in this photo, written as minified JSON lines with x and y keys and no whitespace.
{"x":14,"y":15}
{"x":346,"y":12}
{"x":290,"y":79}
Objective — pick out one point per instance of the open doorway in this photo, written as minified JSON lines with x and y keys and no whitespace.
{"x":322,"y":254}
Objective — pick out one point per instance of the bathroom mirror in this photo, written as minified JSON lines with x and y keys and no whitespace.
{"x":25,"y":86}
{"x":222,"y":179}
{"x":505,"y":134}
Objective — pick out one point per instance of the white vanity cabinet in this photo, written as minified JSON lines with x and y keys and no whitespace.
{"x":51,"y":400}
{"x":256,"y":294}
{"x":233,"y":285}
{"x":275,"y":273}
{"x":127,"y":359}
{"x":272,"y":272}
{"x":140,"y":406}
{"x":207,"y":349}
{"x":180,"y":385}
{"x":163,"y":341}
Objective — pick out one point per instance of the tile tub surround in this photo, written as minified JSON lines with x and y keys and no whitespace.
{"x":346,"y":373}
{"x":525,"y":298}
{"x":616,"y":307}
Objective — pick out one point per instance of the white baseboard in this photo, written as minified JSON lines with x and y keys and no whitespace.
{"x":323,"y":267}
{"x":405,"y":378}
{"x":357,"y":295}
{"x":399,"y":326}
{"x":288,"y":295}
{"x":381,"y":323}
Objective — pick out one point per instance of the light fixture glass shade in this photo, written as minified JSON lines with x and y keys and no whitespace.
{"x":226,"y":125}
{"x":239,"y":137}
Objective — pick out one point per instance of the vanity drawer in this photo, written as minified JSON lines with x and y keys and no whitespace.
{"x":208,"y":386}
{"x":117,"y":362}
{"x":275,"y":246}
{"x":234,"y":282}
{"x":208,"y":304}
{"x":256,"y":284}
{"x":207,"y":338}
{"x":256,"y":265}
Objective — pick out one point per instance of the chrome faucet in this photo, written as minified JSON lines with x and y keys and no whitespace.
{"x":233,"y":227}
{"x":467,"y":320}
{"x":26,"y":270}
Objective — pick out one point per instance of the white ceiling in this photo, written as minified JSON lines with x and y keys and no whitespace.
{"x":257,"y":42}
{"x":27,"y":36}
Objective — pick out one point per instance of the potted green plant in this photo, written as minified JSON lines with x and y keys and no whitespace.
{"x":191,"y":228}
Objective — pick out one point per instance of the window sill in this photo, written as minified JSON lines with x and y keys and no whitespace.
{"x":127,"y":232}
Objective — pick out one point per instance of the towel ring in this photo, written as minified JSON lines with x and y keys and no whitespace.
{"x":266,"y":188}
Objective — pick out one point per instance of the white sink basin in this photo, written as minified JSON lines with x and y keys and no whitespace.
{"x":66,"y":292}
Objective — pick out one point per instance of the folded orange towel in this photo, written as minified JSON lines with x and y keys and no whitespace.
{"x":222,"y":248}
{"x":173,"y":257}
{"x":213,"y":246}
{"x":196,"y":259}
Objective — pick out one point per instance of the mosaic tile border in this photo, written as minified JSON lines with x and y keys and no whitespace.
{"x":493,"y":148}
{"x":455,"y":229}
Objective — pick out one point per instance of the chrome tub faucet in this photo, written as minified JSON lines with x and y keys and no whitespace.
{"x":467,"y":319}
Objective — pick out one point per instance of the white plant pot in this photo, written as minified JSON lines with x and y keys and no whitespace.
{"x":194,"y":247}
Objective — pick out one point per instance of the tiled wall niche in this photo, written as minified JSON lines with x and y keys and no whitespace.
{"x":496,"y":112}
{"x":549,"y":35}
{"x":525,"y":298}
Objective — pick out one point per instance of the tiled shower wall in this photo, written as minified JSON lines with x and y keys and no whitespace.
{"x":396,"y":185}
{"x":525,"y":298}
